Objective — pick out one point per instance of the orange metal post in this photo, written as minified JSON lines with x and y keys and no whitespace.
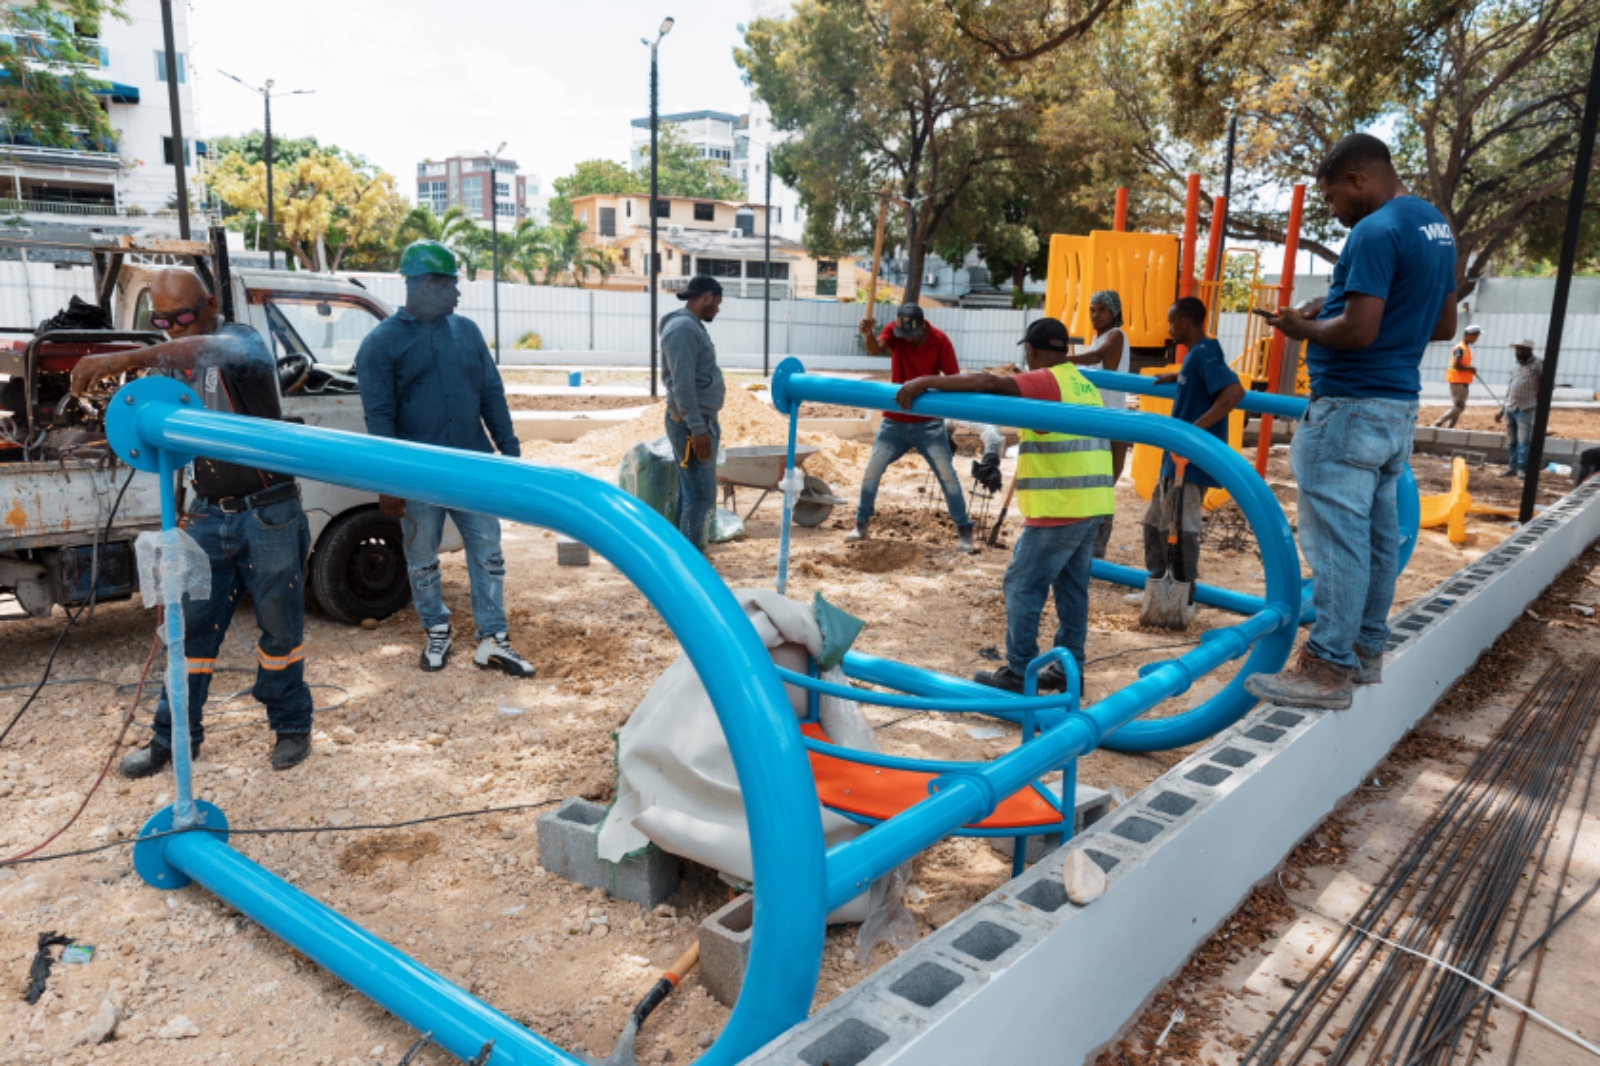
{"x":1191,"y":230}
{"x":1120,"y":220}
{"x":1291,"y":252}
{"x":1219,"y":210}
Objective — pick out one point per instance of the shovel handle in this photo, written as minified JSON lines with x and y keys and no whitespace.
{"x":669,"y":980}
{"x":1005,"y":505}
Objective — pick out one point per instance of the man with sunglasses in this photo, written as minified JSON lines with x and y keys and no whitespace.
{"x":249,"y":522}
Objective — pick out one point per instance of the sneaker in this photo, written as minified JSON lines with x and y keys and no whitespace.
{"x":147,"y":761}
{"x":291,"y":751}
{"x":964,"y":541}
{"x":1002,"y":678}
{"x":1311,"y":683}
{"x":1370,"y":671}
{"x":1509,"y":472}
{"x":858,"y":533}
{"x":437,"y":653}
{"x":496,"y":651}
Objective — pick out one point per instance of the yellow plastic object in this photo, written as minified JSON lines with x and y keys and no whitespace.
{"x":1065,"y":298}
{"x":1142,"y":268}
{"x":1450,"y":509}
{"x":1147,"y":459}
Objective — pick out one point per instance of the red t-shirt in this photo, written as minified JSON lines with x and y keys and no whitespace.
{"x":935,"y":355}
{"x":1042,"y":385}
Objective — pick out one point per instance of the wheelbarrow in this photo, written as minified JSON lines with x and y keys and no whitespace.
{"x":760,"y":466}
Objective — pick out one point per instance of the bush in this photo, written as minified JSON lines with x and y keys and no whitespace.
{"x":530,"y":342}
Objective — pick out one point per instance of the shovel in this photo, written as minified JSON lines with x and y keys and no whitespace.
{"x":1166,"y":599}
{"x":623,"y":1054}
{"x":1005,"y":505}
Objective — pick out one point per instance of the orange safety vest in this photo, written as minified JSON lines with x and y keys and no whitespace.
{"x":1462,"y":355}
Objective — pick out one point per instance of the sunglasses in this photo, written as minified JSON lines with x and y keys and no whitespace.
{"x":186,"y":317}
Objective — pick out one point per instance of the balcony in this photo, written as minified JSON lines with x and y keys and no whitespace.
{"x":20,"y":147}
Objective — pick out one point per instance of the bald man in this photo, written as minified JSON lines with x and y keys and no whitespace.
{"x":249,"y":521}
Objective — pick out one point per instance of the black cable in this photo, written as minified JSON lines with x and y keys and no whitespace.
{"x":102,"y":533}
{"x":286,"y":830}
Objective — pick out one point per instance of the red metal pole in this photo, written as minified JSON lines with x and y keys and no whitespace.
{"x":1291,"y":252}
{"x":1219,"y":212}
{"x":1120,"y":220}
{"x":1191,"y":229}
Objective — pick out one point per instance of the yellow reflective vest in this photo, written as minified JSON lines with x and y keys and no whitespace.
{"x":1060,"y":475}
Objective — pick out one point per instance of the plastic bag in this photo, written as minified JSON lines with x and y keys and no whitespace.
{"x":649,"y":471}
{"x":172,"y":565}
{"x":725,"y":526}
{"x":887,"y":921}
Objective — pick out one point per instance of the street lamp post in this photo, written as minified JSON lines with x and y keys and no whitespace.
{"x":494,"y":241}
{"x":170,"y":61}
{"x":266,"y":153}
{"x":655,"y":255}
{"x":766,"y":274}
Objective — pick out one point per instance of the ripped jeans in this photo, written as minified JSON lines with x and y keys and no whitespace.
{"x":422,"y":527}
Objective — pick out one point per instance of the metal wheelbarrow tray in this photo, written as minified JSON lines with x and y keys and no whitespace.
{"x":760,"y":466}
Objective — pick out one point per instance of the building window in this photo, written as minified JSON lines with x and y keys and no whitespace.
{"x":161,"y":67}
{"x":434,"y":196}
{"x":608,"y":222}
{"x":472,"y":197}
{"x":669,"y":255}
{"x":777,"y":216}
{"x":502,"y":190}
{"x":705,"y":212}
{"x":686,"y":268}
{"x":505,"y":210}
{"x":166,"y":151}
{"x":780,"y":271}
{"x":627,"y":208}
{"x":723,"y":268}
{"x":663,"y":208}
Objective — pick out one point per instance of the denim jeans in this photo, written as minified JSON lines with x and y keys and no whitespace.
{"x":262,"y":552}
{"x":893,"y":441}
{"x":697,"y":483}
{"x":1347,"y":456}
{"x":1045,"y":558}
{"x":422,"y":527}
{"x":1519,"y":438}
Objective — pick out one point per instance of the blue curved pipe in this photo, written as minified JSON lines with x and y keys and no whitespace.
{"x":890,"y":674}
{"x":148,"y":417}
{"x":791,"y":385}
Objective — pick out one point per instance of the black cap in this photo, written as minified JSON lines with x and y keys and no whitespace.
{"x":699,"y":285}
{"x":908,"y":320}
{"x":1048,"y":335}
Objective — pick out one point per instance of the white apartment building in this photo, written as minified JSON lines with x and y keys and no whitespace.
{"x":712,"y":133}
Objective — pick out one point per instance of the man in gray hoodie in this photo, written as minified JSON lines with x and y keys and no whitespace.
{"x":694,"y":398}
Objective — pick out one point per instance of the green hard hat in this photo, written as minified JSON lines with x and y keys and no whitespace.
{"x":427,"y":257}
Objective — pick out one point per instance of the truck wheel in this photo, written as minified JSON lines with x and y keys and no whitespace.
{"x":359,"y":569}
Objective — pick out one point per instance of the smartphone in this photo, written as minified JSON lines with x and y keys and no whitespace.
{"x":1263,"y":313}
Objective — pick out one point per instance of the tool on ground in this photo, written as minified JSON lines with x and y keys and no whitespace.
{"x":1167,"y":598}
{"x":622,"y":1054}
{"x":994,"y":531}
{"x":1178,"y":1018}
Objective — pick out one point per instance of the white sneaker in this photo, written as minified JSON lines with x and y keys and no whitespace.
{"x":496,"y":651}
{"x":858,"y":533}
{"x":437,"y":652}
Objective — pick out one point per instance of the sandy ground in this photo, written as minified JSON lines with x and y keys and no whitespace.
{"x":1578,"y":423}
{"x":467,"y":897}
{"x":1247,"y":971}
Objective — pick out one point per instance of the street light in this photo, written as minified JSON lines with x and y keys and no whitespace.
{"x":494,"y":238}
{"x":655,"y":254}
{"x":266,"y":153}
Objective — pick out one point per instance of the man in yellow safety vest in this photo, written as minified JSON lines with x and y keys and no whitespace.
{"x":1065,"y":487}
{"x":1459,"y":376}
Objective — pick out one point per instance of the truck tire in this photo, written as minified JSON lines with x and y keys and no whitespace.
{"x":359,"y":568}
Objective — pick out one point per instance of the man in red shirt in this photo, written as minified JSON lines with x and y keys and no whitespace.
{"x":915,"y":350}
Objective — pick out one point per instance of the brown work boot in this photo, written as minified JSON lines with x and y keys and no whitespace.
{"x":1311,"y":683}
{"x":1371,"y":670}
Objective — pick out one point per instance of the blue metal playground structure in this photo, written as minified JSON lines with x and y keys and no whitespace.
{"x":157,"y":425}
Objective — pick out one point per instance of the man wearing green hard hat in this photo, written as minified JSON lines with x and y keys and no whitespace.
{"x":427,"y":376}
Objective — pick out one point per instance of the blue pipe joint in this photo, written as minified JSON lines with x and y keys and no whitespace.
{"x":149,"y":854}
{"x":1069,"y":667}
{"x":123,"y":414}
{"x":990,"y":795}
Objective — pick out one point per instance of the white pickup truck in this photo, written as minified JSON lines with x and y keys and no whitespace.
{"x":59,"y":481}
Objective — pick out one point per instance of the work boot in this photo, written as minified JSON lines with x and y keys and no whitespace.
{"x":1311,"y":683}
{"x":1051,"y":678}
{"x":437,"y":653}
{"x":148,"y":760}
{"x":1509,"y":472}
{"x":1371,"y":670}
{"x":858,"y":533}
{"x":496,"y":651}
{"x":291,"y":751}
{"x":1002,"y":678}
{"x":964,"y":541}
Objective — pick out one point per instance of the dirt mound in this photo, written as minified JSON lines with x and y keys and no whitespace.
{"x":373,"y":853}
{"x":876,"y":556}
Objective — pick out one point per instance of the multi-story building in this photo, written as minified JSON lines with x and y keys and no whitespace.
{"x":133,"y":176}
{"x":712,"y":133}
{"x":462,"y":180}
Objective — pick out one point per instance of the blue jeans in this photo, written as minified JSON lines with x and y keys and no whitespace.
{"x":1347,"y":456}
{"x":261,"y":552}
{"x":422,"y":527}
{"x":894,"y":440}
{"x":1519,"y":438}
{"x":697,"y":483}
{"x":1045,"y":558}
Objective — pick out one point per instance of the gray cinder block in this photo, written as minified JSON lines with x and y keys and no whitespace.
{"x":1093,"y":805}
{"x":725,"y":948}
{"x":570,"y":552}
{"x":568,"y":838}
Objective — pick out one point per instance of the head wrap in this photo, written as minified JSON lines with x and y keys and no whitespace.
{"x":1111,"y":302}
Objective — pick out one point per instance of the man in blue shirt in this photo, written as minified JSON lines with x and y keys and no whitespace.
{"x":1208,"y":391}
{"x":427,"y":376}
{"x":1393,"y":291}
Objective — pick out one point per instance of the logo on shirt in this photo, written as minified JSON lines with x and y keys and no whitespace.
{"x":1438,"y":231}
{"x":211,"y":379}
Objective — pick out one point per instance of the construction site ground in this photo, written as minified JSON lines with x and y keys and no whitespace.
{"x":197,"y":983}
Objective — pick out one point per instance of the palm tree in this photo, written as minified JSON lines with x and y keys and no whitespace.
{"x":568,"y":255}
{"x":421,"y":224}
{"x":530,"y":249}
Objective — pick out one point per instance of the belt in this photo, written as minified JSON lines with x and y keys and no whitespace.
{"x":289,"y":490}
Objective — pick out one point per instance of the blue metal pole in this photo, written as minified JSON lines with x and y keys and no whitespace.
{"x":890,"y":674}
{"x":177,"y":662}
{"x":788,"y":507}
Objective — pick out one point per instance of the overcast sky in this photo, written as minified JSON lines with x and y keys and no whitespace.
{"x":401,"y":80}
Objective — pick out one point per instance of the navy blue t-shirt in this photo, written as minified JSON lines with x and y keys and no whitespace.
{"x":1205,"y":373}
{"x":1404,"y":254}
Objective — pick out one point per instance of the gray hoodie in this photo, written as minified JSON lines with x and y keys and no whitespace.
{"x":689,"y":368}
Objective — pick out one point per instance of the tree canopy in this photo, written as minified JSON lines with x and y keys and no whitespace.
{"x":48,"y":59}
{"x":681,"y":172}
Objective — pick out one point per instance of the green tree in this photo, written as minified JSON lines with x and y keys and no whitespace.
{"x":565,"y":255}
{"x":48,"y":56}
{"x":251,"y":147}
{"x":453,"y":229}
{"x":681,"y":172}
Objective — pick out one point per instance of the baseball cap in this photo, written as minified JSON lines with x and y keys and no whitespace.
{"x":1048,"y":334}
{"x":1523,"y":343}
{"x":1472,"y":329}
{"x":699,"y":285}
{"x":908,"y":320}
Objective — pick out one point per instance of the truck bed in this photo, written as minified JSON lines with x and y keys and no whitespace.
{"x":54,"y":503}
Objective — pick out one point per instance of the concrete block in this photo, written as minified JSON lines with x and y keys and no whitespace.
{"x":1093,"y":805}
{"x":725,"y":949}
{"x":1558,"y":449}
{"x":570,"y":552}
{"x":1480,"y":441}
{"x":1452,"y":438}
{"x":568,"y":839}
{"x":1423,"y":435}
